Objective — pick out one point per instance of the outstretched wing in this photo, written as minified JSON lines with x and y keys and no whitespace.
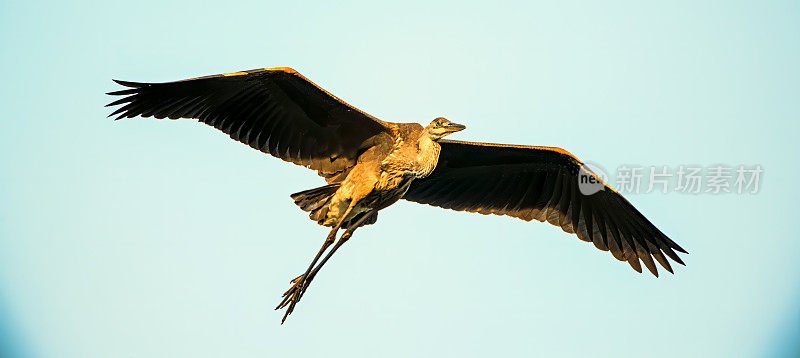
{"x":542,"y":183}
{"x":274,"y":110}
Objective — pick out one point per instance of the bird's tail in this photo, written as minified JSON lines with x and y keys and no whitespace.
{"x":316,"y":201}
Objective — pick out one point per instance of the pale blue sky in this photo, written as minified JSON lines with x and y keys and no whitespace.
{"x":145,"y":238}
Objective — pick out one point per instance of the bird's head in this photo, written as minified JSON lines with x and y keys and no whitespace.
{"x":441,"y":127}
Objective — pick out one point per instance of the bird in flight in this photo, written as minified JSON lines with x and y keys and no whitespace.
{"x":369,"y":164}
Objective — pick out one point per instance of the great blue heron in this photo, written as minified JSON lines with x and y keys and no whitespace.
{"x":370,"y":164}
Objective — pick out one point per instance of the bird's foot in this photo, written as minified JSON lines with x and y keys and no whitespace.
{"x":292,"y":296}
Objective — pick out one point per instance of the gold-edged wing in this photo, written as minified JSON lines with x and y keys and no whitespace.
{"x":274,"y":110}
{"x":542,"y":183}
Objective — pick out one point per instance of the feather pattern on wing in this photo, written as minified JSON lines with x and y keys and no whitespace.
{"x":274,"y":110}
{"x":541,"y":183}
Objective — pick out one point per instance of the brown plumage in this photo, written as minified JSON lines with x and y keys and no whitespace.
{"x":370,"y":164}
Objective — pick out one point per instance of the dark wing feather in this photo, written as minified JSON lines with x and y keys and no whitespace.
{"x":542,"y":183}
{"x":274,"y":110}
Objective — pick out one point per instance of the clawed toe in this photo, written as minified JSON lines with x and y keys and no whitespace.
{"x":292,"y":296}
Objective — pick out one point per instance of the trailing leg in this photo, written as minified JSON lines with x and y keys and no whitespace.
{"x":300,"y":280}
{"x":346,"y":236}
{"x":299,"y":284}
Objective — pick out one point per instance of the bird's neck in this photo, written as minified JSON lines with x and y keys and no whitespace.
{"x":428,"y":155}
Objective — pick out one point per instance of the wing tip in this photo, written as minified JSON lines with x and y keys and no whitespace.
{"x":680,"y":249}
{"x":633,"y":261}
{"x":133,"y":87}
{"x":129,"y":83}
{"x":655,"y":273}
{"x":679,"y":260}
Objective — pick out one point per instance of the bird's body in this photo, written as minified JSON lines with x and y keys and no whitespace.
{"x":383,"y":174}
{"x":370,"y":164}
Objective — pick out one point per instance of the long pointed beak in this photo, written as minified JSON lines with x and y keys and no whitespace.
{"x":455,"y":127}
